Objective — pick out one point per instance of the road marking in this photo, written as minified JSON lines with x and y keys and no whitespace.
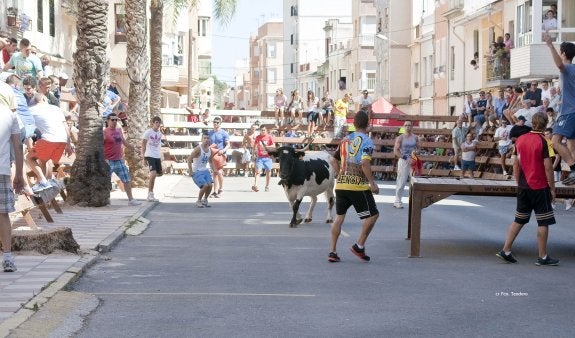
{"x":233,"y":294}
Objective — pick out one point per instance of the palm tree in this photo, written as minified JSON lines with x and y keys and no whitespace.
{"x":89,"y":184}
{"x":137,"y":67}
{"x":224,"y":10}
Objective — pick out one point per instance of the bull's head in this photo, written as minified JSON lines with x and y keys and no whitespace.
{"x":287,"y":158}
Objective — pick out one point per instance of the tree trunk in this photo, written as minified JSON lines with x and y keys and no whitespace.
{"x":89,"y":184}
{"x":137,"y":66}
{"x":44,"y":241}
{"x":156,"y":23}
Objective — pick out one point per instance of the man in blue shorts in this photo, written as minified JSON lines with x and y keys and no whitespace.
{"x":355,"y":186}
{"x":113,"y":141}
{"x":263,"y":160}
{"x":198,"y":169}
{"x":565,"y":123}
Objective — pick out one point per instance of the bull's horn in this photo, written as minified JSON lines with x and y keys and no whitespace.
{"x":310,"y":138}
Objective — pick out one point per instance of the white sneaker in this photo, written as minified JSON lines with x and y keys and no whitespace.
{"x":151,"y":197}
{"x":568,"y":203}
{"x":456,"y":167}
{"x":504,"y":173}
{"x":398,"y":205}
{"x":553,"y":206}
{"x":134,"y":202}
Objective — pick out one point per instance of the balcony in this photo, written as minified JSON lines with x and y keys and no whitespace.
{"x":532,"y":61}
{"x":366,"y":40}
{"x":455,"y":8}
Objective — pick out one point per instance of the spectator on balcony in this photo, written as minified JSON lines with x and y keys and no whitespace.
{"x":508,"y":42}
{"x":312,"y":109}
{"x":550,"y":22}
{"x":533,"y":94}
{"x":280,"y":104}
{"x":295,"y":107}
{"x":326,"y":110}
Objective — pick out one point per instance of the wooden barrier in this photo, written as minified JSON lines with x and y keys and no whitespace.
{"x":425,"y":191}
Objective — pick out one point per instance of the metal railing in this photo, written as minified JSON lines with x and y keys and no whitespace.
{"x":498,"y":67}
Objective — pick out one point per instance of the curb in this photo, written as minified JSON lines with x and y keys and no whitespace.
{"x":72,"y":274}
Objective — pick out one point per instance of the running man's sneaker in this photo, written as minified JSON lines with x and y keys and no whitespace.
{"x":568,"y":203}
{"x":398,"y":205}
{"x":199,"y":204}
{"x":9,"y":266}
{"x":133,"y":202}
{"x":205,"y":203}
{"x":359,"y":253}
{"x":508,"y":258}
{"x":570,"y":180}
{"x":333,"y":257}
{"x":151,"y":197}
{"x":540,"y":261}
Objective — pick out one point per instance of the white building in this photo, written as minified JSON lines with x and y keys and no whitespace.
{"x":304,"y":38}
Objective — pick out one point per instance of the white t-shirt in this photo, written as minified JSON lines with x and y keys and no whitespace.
{"x":8,"y":126}
{"x":468,"y":155}
{"x":503,"y":135}
{"x":51,"y":122}
{"x":527,"y":113}
{"x":153,"y":143}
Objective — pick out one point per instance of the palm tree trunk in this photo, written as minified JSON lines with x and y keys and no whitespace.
{"x":156,"y":25}
{"x":89,"y":184}
{"x":137,"y":66}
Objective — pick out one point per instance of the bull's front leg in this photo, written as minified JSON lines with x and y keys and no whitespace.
{"x":295,"y":208}
{"x":308,"y":216}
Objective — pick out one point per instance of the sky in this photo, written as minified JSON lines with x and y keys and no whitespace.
{"x":231,"y":42}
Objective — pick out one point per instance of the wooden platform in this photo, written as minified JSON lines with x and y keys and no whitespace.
{"x":425,"y":191}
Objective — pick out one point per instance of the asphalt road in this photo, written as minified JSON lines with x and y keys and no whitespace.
{"x":237,"y":270}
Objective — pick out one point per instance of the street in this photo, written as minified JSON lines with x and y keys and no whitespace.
{"x":236,"y":269}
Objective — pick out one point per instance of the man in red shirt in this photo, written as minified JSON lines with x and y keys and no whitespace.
{"x":113,"y":140}
{"x":8,"y":50}
{"x":533,"y":171}
{"x":263,"y":160}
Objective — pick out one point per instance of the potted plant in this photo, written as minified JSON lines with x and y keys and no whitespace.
{"x":11,"y":15}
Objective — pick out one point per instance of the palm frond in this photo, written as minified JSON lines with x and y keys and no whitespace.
{"x":224,"y":10}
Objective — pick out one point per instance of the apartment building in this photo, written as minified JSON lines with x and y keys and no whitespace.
{"x":332,"y":75}
{"x":304,"y":40}
{"x":448,"y":50}
{"x":266,"y":65}
{"x":362,"y":61}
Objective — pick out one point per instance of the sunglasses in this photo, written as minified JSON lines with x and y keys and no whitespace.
{"x":216,"y":122}
{"x":115,"y":120}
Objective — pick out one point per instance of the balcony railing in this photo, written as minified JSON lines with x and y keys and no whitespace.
{"x":456,"y":4}
{"x":498,"y":67}
{"x":367,"y":40}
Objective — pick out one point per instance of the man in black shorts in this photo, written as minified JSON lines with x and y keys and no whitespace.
{"x":355,"y":186}
{"x":533,"y":171}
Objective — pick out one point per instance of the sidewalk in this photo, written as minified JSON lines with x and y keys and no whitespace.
{"x":95,"y":229}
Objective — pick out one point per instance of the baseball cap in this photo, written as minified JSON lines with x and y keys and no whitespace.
{"x":64,"y":76}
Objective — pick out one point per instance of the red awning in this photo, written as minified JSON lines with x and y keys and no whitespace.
{"x":382,"y":106}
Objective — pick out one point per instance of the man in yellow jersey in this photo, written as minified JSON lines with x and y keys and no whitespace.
{"x":355,"y":185}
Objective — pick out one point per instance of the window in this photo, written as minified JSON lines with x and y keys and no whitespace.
{"x":51,"y":19}
{"x":40,"y":14}
{"x":272,"y":76}
{"x":291,"y":68}
{"x":424,"y":71}
{"x":293,"y":11}
{"x":475,"y":42}
{"x":120,"y":14}
{"x":271,"y":50}
{"x":416,"y":75}
{"x":203,"y":26}
{"x":291,"y":39}
{"x":256,"y":74}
